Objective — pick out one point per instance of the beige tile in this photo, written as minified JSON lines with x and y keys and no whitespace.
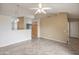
{"x":38,"y":47}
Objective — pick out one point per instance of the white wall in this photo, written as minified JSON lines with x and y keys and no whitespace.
{"x":74,"y":29}
{"x":9,"y":36}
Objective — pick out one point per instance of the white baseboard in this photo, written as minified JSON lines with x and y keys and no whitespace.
{"x":55,"y":40}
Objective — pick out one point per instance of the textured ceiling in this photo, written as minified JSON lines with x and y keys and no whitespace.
{"x":24,"y":9}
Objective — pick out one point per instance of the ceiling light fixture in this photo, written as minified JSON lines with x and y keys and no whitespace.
{"x":40,"y":9}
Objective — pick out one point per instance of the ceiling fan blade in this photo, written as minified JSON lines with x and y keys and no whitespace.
{"x":40,"y":11}
{"x":36,"y":12}
{"x":46,"y":8}
{"x":43,"y":11}
{"x":34,"y":8}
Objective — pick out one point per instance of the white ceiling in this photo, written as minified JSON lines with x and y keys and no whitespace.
{"x":24,"y":10}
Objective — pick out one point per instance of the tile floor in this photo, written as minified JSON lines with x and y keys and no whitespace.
{"x":40,"y":47}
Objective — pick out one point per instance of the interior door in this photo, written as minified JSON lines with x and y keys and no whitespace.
{"x":74,"y":29}
{"x":34,"y":30}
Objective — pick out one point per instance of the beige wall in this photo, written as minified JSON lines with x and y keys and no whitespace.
{"x":55,"y":27}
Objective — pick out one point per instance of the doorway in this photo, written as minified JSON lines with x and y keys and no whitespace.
{"x":34,"y":30}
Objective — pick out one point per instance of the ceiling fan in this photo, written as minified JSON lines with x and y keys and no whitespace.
{"x":40,"y":9}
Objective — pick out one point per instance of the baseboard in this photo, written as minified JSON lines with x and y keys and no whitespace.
{"x":74,"y":37}
{"x":13,"y":44}
{"x":54,"y":40}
